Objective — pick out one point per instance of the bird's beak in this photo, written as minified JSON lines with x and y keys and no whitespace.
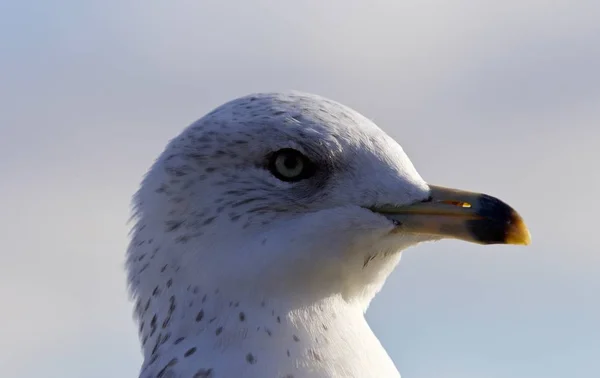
{"x":451,"y":213}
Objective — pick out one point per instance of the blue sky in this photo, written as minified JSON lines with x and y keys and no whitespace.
{"x":498,"y":97}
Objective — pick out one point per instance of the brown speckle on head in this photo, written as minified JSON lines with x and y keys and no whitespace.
{"x":204,"y":373}
{"x":172,"y":225}
{"x":250,"y":359}
{"x":189,"y":352}
{"x":177,"y":341}
{"x":162,"y":372}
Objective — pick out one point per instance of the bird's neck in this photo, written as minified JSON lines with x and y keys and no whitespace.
{"x":211,"y":332}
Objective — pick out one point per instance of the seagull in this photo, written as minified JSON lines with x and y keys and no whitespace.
{"x":264,"y":230}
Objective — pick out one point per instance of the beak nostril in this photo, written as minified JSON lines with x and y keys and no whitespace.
{"x":457,"y":203}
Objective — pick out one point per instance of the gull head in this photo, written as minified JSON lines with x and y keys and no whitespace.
{"x":294,"y":195}
{"x":264,"y":230}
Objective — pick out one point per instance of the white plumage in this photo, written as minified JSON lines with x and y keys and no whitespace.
{"x":242,"y":268}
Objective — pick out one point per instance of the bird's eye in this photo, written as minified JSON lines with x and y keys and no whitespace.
{"x":290,"y":165}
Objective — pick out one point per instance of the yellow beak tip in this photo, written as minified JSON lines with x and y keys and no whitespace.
{"x":518,"y":233}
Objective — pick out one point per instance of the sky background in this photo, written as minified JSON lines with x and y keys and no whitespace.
{"x":501,"y":97}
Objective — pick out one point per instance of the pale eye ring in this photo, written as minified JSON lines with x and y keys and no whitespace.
{"x":290,"y":165}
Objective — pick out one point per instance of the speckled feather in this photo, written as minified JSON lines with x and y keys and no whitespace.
{"x":236,"y":273}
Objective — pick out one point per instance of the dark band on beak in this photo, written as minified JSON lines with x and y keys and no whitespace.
{"x":499,"y":223}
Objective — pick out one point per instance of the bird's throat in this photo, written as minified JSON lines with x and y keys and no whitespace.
{"x":226,"y":336}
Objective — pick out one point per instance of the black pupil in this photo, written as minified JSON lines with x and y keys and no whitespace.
{"x":290,"y":165}
{"x":290,"y":162}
